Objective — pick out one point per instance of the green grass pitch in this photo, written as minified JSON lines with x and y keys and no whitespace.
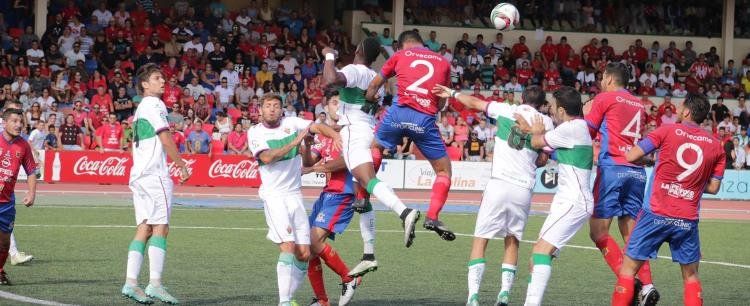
{"x":221,"y":257}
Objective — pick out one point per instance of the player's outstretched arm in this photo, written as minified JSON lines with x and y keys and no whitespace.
{"x":468,"y":101}
{"x":329,"y":132}
{"x":171,"y":149}
{"x":331,"y":77}
{"x":372,"y":89}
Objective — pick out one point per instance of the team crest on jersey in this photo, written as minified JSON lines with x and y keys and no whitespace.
{"x":320,"y":218}
{"x":18,"y":154}
{"x":6,"y":160}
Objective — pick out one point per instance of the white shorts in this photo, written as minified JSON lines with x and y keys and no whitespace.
{"x":152,"y":199}
{"x":286,"y":218}
{"x":564,"y":220}
{"x":503,"y":211}
{"x":357,"y":139}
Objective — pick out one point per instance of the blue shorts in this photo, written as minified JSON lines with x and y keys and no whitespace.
{"x":332,"y":212}
{"x":400,"y":121}
{"x":8,"y":215}
{"x":618,"y":191}
{"x":652,"y":230}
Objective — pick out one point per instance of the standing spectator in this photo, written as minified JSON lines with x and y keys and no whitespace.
{"x":549,"y":50}
{"x":498,"y":44}
{"x":38,"y":135}
{"x":237,"y":140}
{"x":519,"y":48}
{"x":103,"y":100}
{"x":70,"y":136}
{"x":123,"y":104}
{"x":461,"y":132}
{"x":224,"y":94}
{"x":432,"y":43}
{"x":564,"y":50}
{"x":198,"y":141}
{"x":487,"y":72}
{"x":232,"y":76}
{"x":457,"y":73}
{"x":719,"y":111}
{"x":738,"y":154}
{"x":474,"y":149}
{"x":217,"y":144}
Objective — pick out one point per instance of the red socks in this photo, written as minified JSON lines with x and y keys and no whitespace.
{"x":377,"y":160}
{"x":624,"y":291}
{"x":644,"y":274}
{"x":334,"y":262}
{"x":613,"y":254}
{"x":692,"y":294}
{"x":315,"y":275}
{"x":439,"y":194}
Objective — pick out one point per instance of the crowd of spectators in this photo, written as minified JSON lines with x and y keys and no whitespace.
{"x":697,"y":18}
{"x":503,"y":69}
{"x":76,"y":82}
{"x":76,"y":86}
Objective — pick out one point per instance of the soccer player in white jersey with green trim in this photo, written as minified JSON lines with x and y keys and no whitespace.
{"x":573,"y":203}
{"x":152,"y":188}
{"x":358,"y":132}
{"x":507,"y":198}
{"x":274,"y":143}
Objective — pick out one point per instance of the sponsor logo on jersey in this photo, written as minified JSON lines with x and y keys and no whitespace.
{"x":549,"y":179}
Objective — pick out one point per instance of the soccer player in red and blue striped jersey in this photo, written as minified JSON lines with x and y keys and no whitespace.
{"x":690,"y":162}
{"x":618,"y":118}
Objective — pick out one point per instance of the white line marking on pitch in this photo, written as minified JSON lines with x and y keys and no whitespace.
{"x":30,"y":300}
{"x":380,"y":231}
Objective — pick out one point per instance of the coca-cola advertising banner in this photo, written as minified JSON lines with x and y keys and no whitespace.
{"x":114,"y":168}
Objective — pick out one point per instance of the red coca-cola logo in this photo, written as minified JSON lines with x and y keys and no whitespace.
{"x":174,"y":171}
{"x":112,"y":166}
{"x":245,"y":169}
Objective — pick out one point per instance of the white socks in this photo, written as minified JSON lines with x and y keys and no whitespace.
{"x":284,"y":268}
{"x":507,"y":276}
{"x":13,"y":250}
{"x":385,"y":194}
{"x":135,"y":259}
{"x":476,"y":270}
{"x":540,"y":275}
{"x":367,"y":229}
{"x":157,"y":253}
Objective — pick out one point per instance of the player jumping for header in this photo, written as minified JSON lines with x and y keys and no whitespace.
{"x":619,"y":119}
{"x":690,"y":162}
{"x":417,"y":70}
{"x":355,"y":117}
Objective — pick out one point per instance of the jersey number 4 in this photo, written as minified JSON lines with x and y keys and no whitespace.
{"x":633,"y":129}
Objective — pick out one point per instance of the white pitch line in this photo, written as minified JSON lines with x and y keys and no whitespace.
{"x":30,"y":300}
{"x":727,"y":264}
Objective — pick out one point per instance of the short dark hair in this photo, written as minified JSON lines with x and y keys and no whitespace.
{"x":698,"y":105}
{"x":144,"y":73}
{"x":534,"y":95}
{"x":371,"y":49}
{"x":11,"y":111}
{"x":269,"y":97}
{"x":410,"y":35}
{"x":331,"y":92}
{"x":619,"y":72}
{"x":570,"y":100}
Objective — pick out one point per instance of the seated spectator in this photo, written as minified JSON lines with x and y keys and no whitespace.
{"x":474,"y":149}
{"x":446,"y":130}
{"x":237,"y":141}
{"x":669,"y":117}
{"x":728,"y":125}
{"x":50,"y":140}
{"x":198,"y":141}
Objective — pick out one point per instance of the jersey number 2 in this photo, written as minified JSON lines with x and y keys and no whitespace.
{"x":430,"y":71}
{"x":689,"y":168}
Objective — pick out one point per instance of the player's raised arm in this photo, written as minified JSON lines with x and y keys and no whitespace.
{"x":331,"y":77}
{"x":327,"y":131}
{"x":469,"y":101}
{"x":310,"y":155}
